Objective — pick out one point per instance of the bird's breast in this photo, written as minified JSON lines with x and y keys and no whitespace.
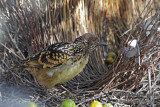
{"x":70,"y":70}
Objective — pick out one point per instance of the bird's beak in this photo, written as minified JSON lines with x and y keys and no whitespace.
{"x":102,"y":43}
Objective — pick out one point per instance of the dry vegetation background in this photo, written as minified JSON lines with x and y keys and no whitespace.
{"x":27,"y":26}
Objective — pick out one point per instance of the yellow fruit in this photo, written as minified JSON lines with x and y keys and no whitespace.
{"x":30,"y":104}
{"x":111,"y":54}
{"x":95,"y":104}
{"x":68,"y":103}
{"x":109,"y":60}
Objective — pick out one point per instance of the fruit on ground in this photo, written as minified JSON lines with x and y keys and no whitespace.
{"x":95,"y":104}
{"x":68,"y":103}
{"x":30,"y":104}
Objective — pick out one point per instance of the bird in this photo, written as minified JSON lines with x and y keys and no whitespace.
{"x":60,"y":62}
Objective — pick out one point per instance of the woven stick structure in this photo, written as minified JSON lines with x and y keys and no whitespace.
{"x":27,"y":26}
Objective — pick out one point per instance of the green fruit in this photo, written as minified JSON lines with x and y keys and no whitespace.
{"x":95,"y":104}
{"x":108,"y":105}
{"x":109,"y":60}
{"x":30,"y":104}
{"x":68,"y":103}
{"x":111,"y":54}
{"x":109,"y":65}
{"x":105,"y":105}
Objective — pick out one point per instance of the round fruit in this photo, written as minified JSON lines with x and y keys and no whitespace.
{"x":68,"y":103}
{"x":111,"y":54}
{"x":109,"y":105}
{"x":109,"y":60}
{"x":105,"y":105}
{"x":95,"y":104}
{"x":30,"y":104}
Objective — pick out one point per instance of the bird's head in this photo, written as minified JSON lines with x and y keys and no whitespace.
{"x":90,"y":41}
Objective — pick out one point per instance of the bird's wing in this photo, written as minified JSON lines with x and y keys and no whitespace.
{"x":52,"y":56}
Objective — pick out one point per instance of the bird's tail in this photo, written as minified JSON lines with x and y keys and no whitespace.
{"x":17,"y":67}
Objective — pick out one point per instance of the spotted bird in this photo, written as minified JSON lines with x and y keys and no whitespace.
{"x":60,"y":62}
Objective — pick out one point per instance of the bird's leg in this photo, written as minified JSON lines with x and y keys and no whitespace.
{"x":70,"y":94}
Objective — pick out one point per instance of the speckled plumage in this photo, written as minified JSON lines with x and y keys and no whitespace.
{"x":61,"y":62}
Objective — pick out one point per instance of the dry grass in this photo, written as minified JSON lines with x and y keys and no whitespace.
{"x":30,"y":26}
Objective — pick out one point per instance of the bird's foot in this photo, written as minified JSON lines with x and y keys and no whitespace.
{"x":69,"y":93}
